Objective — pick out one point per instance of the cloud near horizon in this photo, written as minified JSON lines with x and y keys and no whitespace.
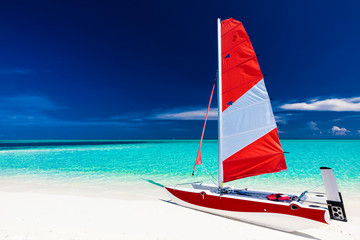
{"x":339,"y":131}
{"x":313,"y":125}
{"x":193,"y":113}
{"x":331,"y":104}
{"x":186,"y":114}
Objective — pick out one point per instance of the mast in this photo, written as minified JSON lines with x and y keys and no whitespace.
{"x":219,"y":91}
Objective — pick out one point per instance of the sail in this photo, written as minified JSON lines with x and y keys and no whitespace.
{"x":249,"y":138}
{"x":198,"y":156}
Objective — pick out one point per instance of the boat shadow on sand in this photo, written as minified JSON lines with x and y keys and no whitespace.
{"x":296,"y":233}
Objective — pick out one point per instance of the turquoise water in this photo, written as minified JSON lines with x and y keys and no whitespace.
{"x":171,"y":161}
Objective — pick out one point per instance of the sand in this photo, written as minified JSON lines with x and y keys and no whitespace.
{"x":75,"y":212}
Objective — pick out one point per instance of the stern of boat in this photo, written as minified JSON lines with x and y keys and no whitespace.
{"x":334,"y":199}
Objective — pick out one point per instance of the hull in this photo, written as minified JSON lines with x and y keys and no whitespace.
{"x":285,"y":216}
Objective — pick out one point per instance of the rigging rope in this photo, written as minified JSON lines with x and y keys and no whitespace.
{"x":215,"y":182}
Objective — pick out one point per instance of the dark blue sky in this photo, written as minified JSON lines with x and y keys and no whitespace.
{"x":144,"y":69}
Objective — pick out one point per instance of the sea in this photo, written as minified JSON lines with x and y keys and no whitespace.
{"x":170,"y":162}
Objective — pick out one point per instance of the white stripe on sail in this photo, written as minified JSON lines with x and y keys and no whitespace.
{"x":246,"y":120}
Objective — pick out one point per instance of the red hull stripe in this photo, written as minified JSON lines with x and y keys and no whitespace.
{"x":262,"y":156}
{"x":240,"y":68}
{"x":241,"y":205}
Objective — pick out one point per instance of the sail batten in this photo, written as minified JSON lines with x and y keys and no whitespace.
{"x":247,"y":129}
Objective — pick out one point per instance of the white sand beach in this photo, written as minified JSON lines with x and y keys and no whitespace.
{"x":35,"y":211}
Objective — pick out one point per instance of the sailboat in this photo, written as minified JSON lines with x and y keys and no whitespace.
{"x":248,"y":145}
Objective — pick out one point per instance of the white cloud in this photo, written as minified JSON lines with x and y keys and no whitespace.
{"x":199,"y":114}
{"x":339,"y":131}
{"x":282,"y":118}
{"x":187,"y":114}
{"x":332,"y":104}
{"x":313,"y":125}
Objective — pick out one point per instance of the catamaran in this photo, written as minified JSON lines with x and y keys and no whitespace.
{"x":248,"y":146}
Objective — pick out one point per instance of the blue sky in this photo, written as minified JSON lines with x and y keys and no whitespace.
{"x":144,"y":69}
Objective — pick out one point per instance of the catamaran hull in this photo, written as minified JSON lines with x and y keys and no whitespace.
{"x":282,"y":216}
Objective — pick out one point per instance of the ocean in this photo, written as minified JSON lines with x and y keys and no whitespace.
{"x":168,"y":162}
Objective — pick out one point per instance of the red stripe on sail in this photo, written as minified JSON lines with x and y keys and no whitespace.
{"x":240,"y":68}
{"x":198,"y":157}
{"x":262,"y":156}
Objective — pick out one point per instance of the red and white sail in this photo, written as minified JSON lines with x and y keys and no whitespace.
{"x":248,"y":139}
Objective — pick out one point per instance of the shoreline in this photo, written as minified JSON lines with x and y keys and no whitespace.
{"x":142,"y":184}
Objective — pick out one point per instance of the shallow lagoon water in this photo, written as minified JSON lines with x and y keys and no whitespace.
{"x":169,"y":162}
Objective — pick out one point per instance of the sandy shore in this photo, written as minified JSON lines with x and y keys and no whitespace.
{"x":41,"y":213}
